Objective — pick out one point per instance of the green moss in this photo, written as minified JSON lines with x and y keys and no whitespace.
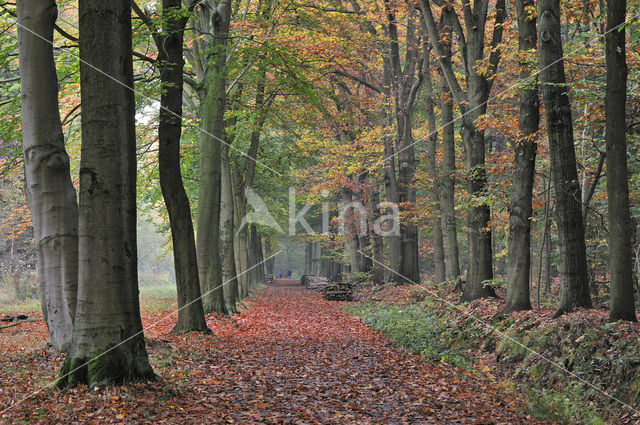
{"x":111,"y":366}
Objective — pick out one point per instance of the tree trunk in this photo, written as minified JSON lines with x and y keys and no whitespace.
{"x":377,"y":246}
{"x":171,"y":63}
{"x":434,"y":194}
{"x":620,"y":226}
{"x":108,"y":344}
{"x":268,"y":253}
{"x":390,"y":179}
{"x":574,"y":289}
{"x":447,"y":187}
{"x":52,"y":197}
{"x":479,"y":236}
{"x":256,"y":264}
{"x":524,"y":166}
{"x":213,"y":101}
{"x":351,"y":229}
{"x":241,"y":242}
{"x":227,"y":252}
{"x":473,"y":105}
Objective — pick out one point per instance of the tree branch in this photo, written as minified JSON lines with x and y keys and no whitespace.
{"x":445,"y":65}
{"x":358,"y":80}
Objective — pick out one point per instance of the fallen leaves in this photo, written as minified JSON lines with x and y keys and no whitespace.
{"x":291,"y":357}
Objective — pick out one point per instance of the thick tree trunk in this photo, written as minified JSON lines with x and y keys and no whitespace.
{"x":620,"y":226}
{"x":480,"y":267}
{"x":213,"y":101}
{"x":108,"y":344}
{"x":524,"y":165}
{"x":227,"y":252}
{"x":52,"y":197}
{"x":171,"y":63}
{"x":479,"y":234}
{"x":574,"y":289}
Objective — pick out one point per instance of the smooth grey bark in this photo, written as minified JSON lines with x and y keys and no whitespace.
{"x":241,"y":240}
{"x":107,"y":329}
{"x":574,"y":284}
{"x":171,"y":64}
{"x":432,"y":170}
{"x":51,"y":195}
{"x":473,"y":105}
{"x":214,"y":21}
{"x":524,"y":166}
{"x":622,"y":305}
{"x":242,"y":176}
{"x":227,"y":253}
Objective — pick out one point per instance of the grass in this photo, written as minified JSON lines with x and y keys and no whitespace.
{"x":603,"y":354}
{"x":150,"y":297}
{"x":22,"y":306}
{"x":158,"y":291}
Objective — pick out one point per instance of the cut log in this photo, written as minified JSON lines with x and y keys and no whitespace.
{"x":314,"y":283}
{"x":338,"y":292}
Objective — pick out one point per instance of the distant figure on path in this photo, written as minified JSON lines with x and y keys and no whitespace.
{"x":279,"y":273}
{"x":289,"y":274}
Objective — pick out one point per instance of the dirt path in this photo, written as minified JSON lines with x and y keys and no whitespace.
{"x":290,"y":358}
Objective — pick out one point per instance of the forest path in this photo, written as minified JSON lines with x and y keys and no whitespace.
{"x":289,"y":358}
{"x":297,"y":358}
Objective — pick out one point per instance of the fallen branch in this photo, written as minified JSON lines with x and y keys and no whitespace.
{"x":18,"y":323}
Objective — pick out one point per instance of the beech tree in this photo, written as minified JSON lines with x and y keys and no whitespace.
{"x":524,"y":166}
{"x":169,"y":40}
{"x":108,"y":344}
{"x":620,"y":228}
{"x":436,"y":224}
{"x":574,"y":284}
{"x":472,"y":103}
{"x":448,"y":164}
{"x":210,"y":57}
{"x":406,"y":82}
{"x":52,"y":197}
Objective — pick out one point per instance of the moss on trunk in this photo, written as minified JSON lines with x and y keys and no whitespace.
{"x":108,"y":367}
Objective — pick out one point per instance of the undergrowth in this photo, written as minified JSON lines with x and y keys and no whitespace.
{"x":565,"y":365}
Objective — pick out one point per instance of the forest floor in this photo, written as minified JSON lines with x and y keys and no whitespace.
{"x":576,"y":369}
{"x":289,"y":357}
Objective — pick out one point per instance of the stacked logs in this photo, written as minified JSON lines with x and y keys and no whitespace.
{"x":314,"y":283}
{"x":338,"y":292}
